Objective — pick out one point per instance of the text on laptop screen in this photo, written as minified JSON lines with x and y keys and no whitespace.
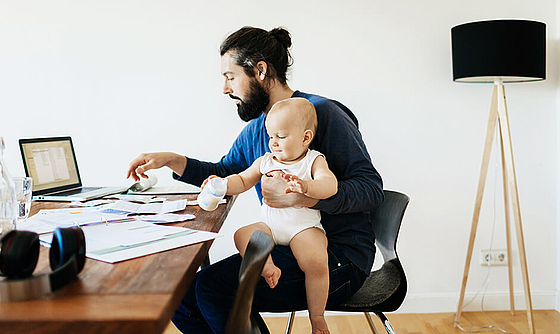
{"x":51,"y":164}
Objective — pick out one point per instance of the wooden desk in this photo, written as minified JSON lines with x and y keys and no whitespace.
{"x":134,"y":296}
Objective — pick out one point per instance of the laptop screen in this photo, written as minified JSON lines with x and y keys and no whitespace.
{"x":51,"y":163}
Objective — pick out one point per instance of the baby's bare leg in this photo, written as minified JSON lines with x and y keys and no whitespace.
{"x":271,"y":272}
{"x":310,"y":249}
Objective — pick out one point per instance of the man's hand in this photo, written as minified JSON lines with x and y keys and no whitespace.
{"x":274,"y":194}
{"x":146,"y":161}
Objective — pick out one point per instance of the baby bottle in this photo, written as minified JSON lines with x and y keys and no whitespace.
{"x":213,"y":192}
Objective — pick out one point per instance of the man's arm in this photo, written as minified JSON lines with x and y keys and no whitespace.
{"x":360,"y":187}
{"x":189,"y":170}
{"x":146,"y":161}
{"x":235,"y":161}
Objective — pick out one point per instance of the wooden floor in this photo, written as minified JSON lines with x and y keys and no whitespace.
{"x":546,"y":322}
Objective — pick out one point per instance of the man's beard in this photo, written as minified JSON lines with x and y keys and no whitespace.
{"x":255,"y":104}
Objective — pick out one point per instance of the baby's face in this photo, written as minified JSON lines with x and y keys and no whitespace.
{"x":286,"y":137}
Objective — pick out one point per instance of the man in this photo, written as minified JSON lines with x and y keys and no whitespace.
{"x":254,"y":64}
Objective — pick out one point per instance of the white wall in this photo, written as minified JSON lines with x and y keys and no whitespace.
{"x":124,"y":77}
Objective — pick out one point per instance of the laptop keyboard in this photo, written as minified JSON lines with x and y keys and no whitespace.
{"x":77,"y":191}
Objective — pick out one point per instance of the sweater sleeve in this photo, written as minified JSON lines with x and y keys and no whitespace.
{"x":360,"y":187}
{"x":233,"y":162}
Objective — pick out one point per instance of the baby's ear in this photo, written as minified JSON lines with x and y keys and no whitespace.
{"x":307,"y":136}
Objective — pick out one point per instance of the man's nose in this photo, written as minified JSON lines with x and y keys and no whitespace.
{"x":227,"y":89}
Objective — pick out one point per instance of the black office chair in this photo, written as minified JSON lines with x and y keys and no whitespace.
{"x":240,"y":321}
{"x":384,"y":290}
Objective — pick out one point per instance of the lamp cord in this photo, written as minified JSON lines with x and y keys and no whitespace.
{"x":483,"y":288}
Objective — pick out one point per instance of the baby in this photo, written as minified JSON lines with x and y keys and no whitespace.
{"x":291,"y":126}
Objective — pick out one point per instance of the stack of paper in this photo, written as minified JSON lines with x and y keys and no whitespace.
{"x":46,"y":221}
{"x":125,"y":207}
{"x":123,"y":241}
{"x":112,"y":235}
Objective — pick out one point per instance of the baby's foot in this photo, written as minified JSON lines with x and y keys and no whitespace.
{"x":318,"y":324}
{"x":271,"y":274}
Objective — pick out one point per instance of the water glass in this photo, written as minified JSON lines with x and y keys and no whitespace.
{"x":24,"y":186}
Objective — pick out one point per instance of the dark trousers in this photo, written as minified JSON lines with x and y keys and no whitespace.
{"x":206,"y":306}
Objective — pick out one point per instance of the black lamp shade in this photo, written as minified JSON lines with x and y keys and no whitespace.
{"x":506,"y":50}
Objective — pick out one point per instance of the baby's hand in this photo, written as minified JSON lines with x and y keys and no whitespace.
{"x":295,"y":184}
{"x":206,"y":181}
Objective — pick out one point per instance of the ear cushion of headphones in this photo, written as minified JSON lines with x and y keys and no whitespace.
{"x":19,"y":254}
{"x":66,"y":243}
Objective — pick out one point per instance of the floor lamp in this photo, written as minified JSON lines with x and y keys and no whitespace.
{"x":498,"y":52}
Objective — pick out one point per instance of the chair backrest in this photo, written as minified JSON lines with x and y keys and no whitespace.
{"x":386,"y":220}
{"x":240,"y":321}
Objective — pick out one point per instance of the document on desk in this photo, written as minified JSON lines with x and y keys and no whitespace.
{"x":166,"y":218}
{"x":117,"y":242}
{"x":46,"y":221}
{"x":125,"y":207}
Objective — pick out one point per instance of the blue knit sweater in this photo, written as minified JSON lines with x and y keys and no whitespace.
{"x":345,"y":216}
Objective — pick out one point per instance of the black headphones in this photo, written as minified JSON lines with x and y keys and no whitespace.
{"x":18,"y":259}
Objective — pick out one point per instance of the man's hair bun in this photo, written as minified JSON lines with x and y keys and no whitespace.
{"x":283,"y":36}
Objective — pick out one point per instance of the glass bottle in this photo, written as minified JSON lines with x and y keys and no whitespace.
{"x":8,"y":201}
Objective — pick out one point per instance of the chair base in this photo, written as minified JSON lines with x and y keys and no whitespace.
{"x":290,"y":323}
{"x":386,"y":323}
{"x":370,"y":323}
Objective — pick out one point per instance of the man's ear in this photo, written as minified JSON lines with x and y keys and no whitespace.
{"x":307,"y":137}
{"x":261,"y":69}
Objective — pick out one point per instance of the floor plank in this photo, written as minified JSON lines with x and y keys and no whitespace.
{"x":546,"y":322}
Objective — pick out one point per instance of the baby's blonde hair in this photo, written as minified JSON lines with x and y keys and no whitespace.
{"x":301,"y":111}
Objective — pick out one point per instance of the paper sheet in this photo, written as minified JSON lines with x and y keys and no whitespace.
{"x":46,"y":221}
{"x":166,"y":218}
{"x":124,"y":207}
{"x":117,"y":242}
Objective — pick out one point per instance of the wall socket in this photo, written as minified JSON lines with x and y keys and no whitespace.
{"x":494,"y":257}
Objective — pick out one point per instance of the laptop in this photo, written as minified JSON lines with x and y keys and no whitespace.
{"x":52,"y":164}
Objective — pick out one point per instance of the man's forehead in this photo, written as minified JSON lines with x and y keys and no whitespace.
{"x":228,"y":64}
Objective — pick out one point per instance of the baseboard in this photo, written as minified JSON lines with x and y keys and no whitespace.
{"x":437,"y":303}
{"x":442,"y":303}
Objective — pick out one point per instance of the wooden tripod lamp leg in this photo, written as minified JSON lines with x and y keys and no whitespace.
{"x":507,"y":223}
{"x":490,"y":130}
{"x":512,"y":185}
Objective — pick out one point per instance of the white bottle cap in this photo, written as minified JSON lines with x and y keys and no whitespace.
{"x":219,"y":185}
